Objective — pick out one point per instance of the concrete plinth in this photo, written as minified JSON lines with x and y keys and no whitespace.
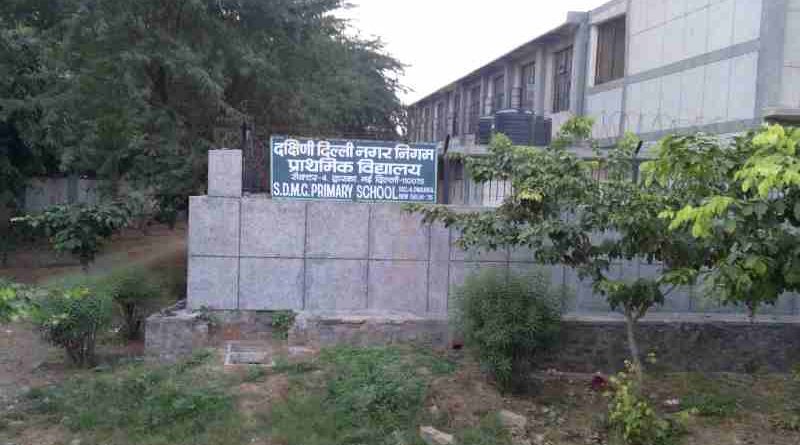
{"x":324,"y":329}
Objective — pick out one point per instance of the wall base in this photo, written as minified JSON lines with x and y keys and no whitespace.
{"x":323,"y":329}
{"x":715,"y":343}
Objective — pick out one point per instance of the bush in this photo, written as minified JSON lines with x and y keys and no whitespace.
{"x":13,"y":301}
{"x":507,"y":321}
{"x":72,"y":318}
{"x":282,"y":321}
{"x":631,"y":418}
{"x":131,"y":290}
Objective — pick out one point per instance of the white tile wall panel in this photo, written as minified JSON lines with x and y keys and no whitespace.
{"x":605,"y":108}
{"x":791,"y":49}
{"x":696,"y":33}
{"x":791,"y":87}
{"x":638,"y":14}
{"x":692,"y":82}
{"x":651,"y":51}
{"x":720,"y":25}
{"x":650,"y":104}
{"x":634,"y":62}
{"x":674,"y":36}
{"x":656,"y":11}
{"x":674,"y":9}
{"x":742,"y":97}
{"x":670,"y":102}
{"x":633,"y":103}
{"x":694,"y":5}
{"x":747,"y":20}
{"x":715,"y":98}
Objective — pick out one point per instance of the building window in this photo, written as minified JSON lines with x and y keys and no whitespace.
{"x":456,"y":114}
{"x":441,"y":119}
{"x":474,"y":109}
{"x":499,"y":100}
{"x":562,"y":80}
{"x":610,"y":64}
{"x":528,"y":86}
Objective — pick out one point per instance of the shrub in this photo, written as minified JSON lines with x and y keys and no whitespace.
{"x":131,"y":290}
{"x":13,"y":301}
{"x":72,"y":319}
{"x":631,"y":418}
{"x":507,"y":321}
{"x":282,"y":321}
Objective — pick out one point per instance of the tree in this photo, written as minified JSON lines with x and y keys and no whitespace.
{"x":140,"y":90}
{"x":566,"y":216}
{"x":78,"y":229}
{"x":741,"y":199}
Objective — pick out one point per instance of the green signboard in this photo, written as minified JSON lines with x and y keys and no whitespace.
{"x":352,"y":170}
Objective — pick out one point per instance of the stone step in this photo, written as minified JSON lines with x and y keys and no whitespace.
{"x":249,"y":353}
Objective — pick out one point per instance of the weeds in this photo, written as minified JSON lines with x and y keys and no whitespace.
{"x":282,"y":321}
{"x":369,"y":395}
{"x":144,"y":405}
{"x":711,"y":404}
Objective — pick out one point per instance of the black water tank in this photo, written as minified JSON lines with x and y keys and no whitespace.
{"x":542,"y":131}
{"x":485,"y":129}
{"x":516,"y":124}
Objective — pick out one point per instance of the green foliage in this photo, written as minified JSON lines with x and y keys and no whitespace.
{"x":282,"y":322}
{"x":741,"y":200}
{"x":78,"y":229}
{"x":507,"y":321}
{"x":369,"y":395}
{"x":565,"y":216}
{"x":132,"y":290}
{"x":183,"y":403}
{"x":14,"y":301}
{"x":631,"y":418}
{"x":72,"y":319}
{"x":139,"y":91}
{"x":711,"y":404}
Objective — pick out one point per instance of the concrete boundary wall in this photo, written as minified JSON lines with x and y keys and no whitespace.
{"x":254,"y":253}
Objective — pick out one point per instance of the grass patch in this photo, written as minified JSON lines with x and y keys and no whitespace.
{"x":185,"y":403}
{"x":489,"y":432}
{"x":711,"y":404}
{"x":367,"y":396}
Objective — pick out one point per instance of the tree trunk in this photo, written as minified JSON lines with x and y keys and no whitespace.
{"x":630,"y":325}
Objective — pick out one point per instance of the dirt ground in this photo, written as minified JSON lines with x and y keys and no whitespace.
{"x":159,"y":247}
{"x":565,"y":412}
{"x":26,"y":361}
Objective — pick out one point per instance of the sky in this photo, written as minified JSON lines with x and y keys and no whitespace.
{"x":443,"y":40}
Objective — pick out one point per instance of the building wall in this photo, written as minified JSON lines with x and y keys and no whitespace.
{"x":790,"y":91}
{"x":690,"y":64}
{"x":42,"y":193}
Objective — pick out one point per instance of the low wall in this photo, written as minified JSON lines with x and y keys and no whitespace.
{"x":719,"y":343}
{"x":589,"y":344}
